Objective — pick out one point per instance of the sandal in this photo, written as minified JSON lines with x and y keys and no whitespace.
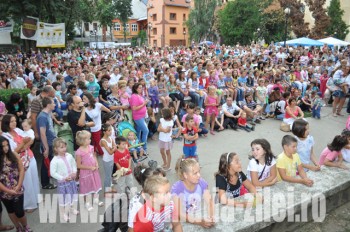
{"x":98,"y":202}
{"x":340,"y":114}
{"x":89,"y":207}
{"x":74,"y":211}
{"x":212,"y":132}
{"x":6,"y":227}
{"x":335,"y":115}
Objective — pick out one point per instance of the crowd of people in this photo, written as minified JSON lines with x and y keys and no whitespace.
{"x":167,"y":94}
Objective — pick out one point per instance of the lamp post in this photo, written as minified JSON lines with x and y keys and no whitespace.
{"x":149,"y":33}
{"x":184,"y":38}
{"x":286,"y":12}
{"x":335,"y":34}
{"x":96,"y":38}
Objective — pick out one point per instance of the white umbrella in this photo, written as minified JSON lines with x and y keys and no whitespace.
{"x":334,"y":41}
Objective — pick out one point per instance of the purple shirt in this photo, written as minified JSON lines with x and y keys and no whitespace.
{"x":192,"y":199}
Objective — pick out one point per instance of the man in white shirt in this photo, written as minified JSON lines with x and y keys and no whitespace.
{"x":16,"y":82}
{"x":231,"y":113}
{"x":115,"y":76}
{"x":281,"y":55}
{"x":52,"y":75}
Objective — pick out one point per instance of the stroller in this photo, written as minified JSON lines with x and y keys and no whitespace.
{"x":65,"y":132}
{"x":123,"y":130}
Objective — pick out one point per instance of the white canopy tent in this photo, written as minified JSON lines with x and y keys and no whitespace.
{"x":331,"y":41}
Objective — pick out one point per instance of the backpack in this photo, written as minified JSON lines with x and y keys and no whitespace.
{"x":278,"y":109}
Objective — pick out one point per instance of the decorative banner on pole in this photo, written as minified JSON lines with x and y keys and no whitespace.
{"x":29,"y":28}
{"x":51,"y":35}
{"x":6,"y":25}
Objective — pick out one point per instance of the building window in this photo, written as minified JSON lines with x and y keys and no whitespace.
{"x":155,"y":43}
{"x":184,"y":17}
{"x":86,"y":27}
{"x":94,"y":25}
{"x":117,"y":26}
{"x":154,"y":17}
{"x":172,"y":16}
{"x":134,"y":27}
{"x":154,"y":31}
{"x":172,"y":30}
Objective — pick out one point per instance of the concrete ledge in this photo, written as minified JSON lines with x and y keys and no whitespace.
{"x":331,"y":189}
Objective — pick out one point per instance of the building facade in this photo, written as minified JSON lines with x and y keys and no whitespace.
{"x":167,"y":22}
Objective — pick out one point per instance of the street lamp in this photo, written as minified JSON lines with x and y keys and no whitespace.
{"x":184,"y":38}
{"x":335,"y":34}
{"x":286,"y":12}
{"x":149,"y":33}
{"x":96,"y":38}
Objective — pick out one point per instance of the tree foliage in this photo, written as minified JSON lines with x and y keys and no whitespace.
{"x":201,"y":19}
{"x":239,"y":21}
{"x":322,"y":20}
{"x":124,"y":12}
{"x":337,"y":25}
{"x":296,"y":17}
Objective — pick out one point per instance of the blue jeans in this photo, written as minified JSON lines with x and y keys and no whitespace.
{"x":280,"y":116}
{"x":197,"y":99}
{"x":204,"y":130}
{"x":108,"y":167}
{"x":142,"y":131}
{"x":240,"y":95}
{"x":316,"y":113}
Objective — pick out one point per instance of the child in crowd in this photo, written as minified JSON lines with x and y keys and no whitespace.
{"x":242,"y":123}
{"x":159,"y":212}
{"x":141,"y":173}
{"x":63,"y":168}
{"x":289,"y":165}
{"x":177,"y":128}
{"x":122,"y":159}
{"x":261,"y":93}
{"x":231,"y":182}
{"x":123,"y":93}
{"x":133,"y":142}
{"x":153,"y":94}
{"x":261,"y":169}
{"x":211,"y":108}
{"x":190,"y":133}
{"x":111,"y":118}
{"x":129,"y":86}
{"x":151,"y":122}
{"x":331,"y":156}
{"x":346,"y":150}
{"x":165,"y":141}
{"x":305,"y":104}
{"x":89,"y":176}
{"x":305,"y":148}
{"x":27,"y":129}
{"x":201,"y":124}
{"x":219,"y":120}
{"x":11,"y":194}
{"x":104,"y":92}
{"x":317,"y":105}
{"x":92,"y":86}
{"x":108,"y":147}
{"x":31,"y":97}
{"x":189,"y":193}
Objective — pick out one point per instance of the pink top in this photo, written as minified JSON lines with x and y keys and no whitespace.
{"x":296,"y":112}
{"x":211,"y":100}
{"x":195,"y":119}
{"x":137,"y":100}
{"x":328,"y":154}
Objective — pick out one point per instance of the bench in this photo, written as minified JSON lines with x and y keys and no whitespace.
{"x":331,"y":189}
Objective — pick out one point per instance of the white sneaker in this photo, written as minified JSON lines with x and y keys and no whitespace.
{"x":202,"y":110}
{"x":89,"y":207}
{"x":98,"y":202}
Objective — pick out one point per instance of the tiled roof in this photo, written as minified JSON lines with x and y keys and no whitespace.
{"x":183,"y":3}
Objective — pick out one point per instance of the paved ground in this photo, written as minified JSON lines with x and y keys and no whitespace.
{"x":210,"y":150}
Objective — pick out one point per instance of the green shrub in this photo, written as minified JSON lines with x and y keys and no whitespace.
{"x":6,"y":93}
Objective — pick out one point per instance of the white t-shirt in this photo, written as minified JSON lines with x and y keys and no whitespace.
{"x":346,"y":154}
{"x":134,"y":206}
{"x":29,"y":133}
{"x":253,"y":166}
{"x":95,"y":115}
{"x":106,"y":156}
{"x":166,"y":137}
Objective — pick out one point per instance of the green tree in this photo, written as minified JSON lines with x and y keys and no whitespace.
{"x":273,"y":26}
{"x":201,"y":19}
{"x":337,"y":26}
{"x":106,"y":13}
{"x":239,"y":21}
{"x":124,"y":12}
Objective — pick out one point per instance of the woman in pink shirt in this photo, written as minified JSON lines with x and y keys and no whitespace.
{"x":139,"y":109}
{"x":331,"y":155}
